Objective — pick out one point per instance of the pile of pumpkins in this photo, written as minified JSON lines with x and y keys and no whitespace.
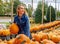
{"x":23,"y":39}
{"x":41,"y":37}
{"x":13,"y":29}
{"x":55,"y":24}
{"x":52,"y":35}
{"x":20,"y":39}
{"x":4,"y":32}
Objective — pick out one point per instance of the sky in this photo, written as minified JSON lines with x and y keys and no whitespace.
{"x":35,"y":2}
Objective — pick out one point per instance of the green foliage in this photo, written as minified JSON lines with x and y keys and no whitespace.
{"x":1,"y":7}
{"x":40,"y":6}
{"x":29,"y":10}
{"x":58,"y":13}
{"x":5,"y":7}
{"x":53,"y":15}
{"x":1,"y":10}
{"x":16,"y":3}
{"x":38,"y":16}
{"x":38,"y":12}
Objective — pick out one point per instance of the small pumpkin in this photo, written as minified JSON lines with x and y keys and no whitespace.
{"x":55,"y":38}
{"x":14,"y":29}
{"x":1,"y":32}
{"x":34,"y":42}
{"x":36,"y":28}
{"x":45,"y":41}
{"x":42,"y":26}
{"x":2,"y":42}
{"x":44,"y":36}
{"x":36,"y":37}
{"x":6,"y":32}
{"x":11,"y":41}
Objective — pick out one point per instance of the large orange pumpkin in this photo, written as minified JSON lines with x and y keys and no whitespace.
{"x":21,"y":39}
{"x":14,"y":28}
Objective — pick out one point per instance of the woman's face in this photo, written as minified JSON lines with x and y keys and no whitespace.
{"x":21,"y":10}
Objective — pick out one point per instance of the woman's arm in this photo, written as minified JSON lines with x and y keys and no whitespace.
{"x":27,"y":27}
{"x":14,"y":20}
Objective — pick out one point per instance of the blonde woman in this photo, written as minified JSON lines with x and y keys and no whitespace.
{"x":21,"y":19}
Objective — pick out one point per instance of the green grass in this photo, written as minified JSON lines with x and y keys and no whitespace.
{"x":7,"y":23}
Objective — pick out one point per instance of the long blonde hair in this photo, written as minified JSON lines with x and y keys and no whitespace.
{"x":25,"y":12}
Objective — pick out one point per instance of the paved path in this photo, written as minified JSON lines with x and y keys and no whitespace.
{"x":8,"y":19}
{"x":5,"y":19}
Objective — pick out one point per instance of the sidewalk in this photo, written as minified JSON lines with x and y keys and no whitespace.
{"x":5,"y":19}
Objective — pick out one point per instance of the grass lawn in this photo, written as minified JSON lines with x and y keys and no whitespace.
{"x":7,"y":23}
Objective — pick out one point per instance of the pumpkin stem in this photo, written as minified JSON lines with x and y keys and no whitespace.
{"x":23,"y":42}
{"x":18,"y":37}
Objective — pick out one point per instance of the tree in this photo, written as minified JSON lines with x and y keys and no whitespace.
{"x":29,"y":10}
{"x":16,"y":3}
{"x":1,"y":8}
{"x":38,"y":16}
{"x":38,"y":12}
{"x":53,"y":15}
{"x":7,"y":6}
{"x":58,"y":13}
{"x":40,"y":6}
{"x":4,"y":7}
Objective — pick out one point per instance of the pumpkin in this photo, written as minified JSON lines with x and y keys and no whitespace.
{"x":34,"y":42}
{"x":5,"y":41}
{"x":10,"y":41}
{"x":36,"y":37}
{"x":6,"y":32}
{"x":51,"y":29}
{"x":57,"y":26}
{"x":14,"y":28}
{"x":45,"y":41}
{"x":2,"y":42}
{"x":48,"y":25}
{"x":41,"y":26}
{"x":21,"y":39}
{"x":55,"y":38}
{"x":44,"y":36}
{"x":1,"y":32}
{"x":36,"y":28}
